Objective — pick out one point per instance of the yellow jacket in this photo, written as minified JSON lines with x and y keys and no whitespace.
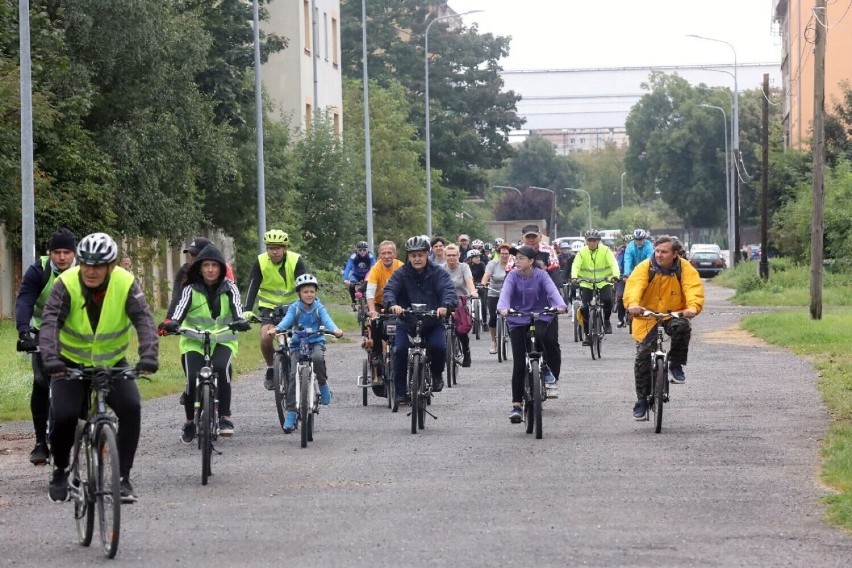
{"x":664,"y":293}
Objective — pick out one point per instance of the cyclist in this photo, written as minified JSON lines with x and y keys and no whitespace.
{"x":663,"y":283}
{"x":488,"y":252}
{"x":477,"y":267}
{"x":462,"y":278}
{"x":86,"y":323}
{"x":463,"y":242}
{"x":272,"y":282}
{"x":420,"y":282}
{"x":495,"y":274}
{"x":357,"y":267}
{"x":32,"y":295}
{"x":566,"y":258}
{"x":477,"y":245}
{"x":308,"y":313}
{"x":437,"y":255}
{"x":377,"y":278}
{"x":528,"y":288}
{"x":637,"y":251}
{"x":595,"y":262}
{"x":191,"y":251}
{"x":619,"y":285}
{"x":208,"y":300}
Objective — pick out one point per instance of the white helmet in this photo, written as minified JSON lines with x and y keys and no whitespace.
{"x":576,"y":246}
{"x":306,"y":279}
{"x":97,"y":248}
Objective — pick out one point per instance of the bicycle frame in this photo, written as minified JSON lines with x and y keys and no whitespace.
{"x":659,"y":393}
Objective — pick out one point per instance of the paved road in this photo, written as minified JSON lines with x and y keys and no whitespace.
{"x":731,"y":481}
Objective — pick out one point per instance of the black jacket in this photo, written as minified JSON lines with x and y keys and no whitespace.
{"x":432,"y":287}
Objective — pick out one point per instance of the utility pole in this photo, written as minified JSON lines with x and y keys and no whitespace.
{"x":764,"y":185}
{"x":817,"y":229}
{"x":28,"y":247}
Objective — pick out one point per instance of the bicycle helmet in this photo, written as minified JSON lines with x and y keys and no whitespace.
{"x":362,"y":245}
{"x":593,"y":234}
{"x":498,"y":241}
{"x":97,"y":248}
{"x":639,"y":234}
{"x":306,"y":279}
{"x":477,"y":244}
{"x":564,"y":245}
{"x":417,"y":243}
{"x":576,"y":246}
{"x":487,"y":247}
{"x":276,"y":237}
{"x":473,"y":252}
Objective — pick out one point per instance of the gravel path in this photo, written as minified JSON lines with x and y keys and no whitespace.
{"x":731,"y":481}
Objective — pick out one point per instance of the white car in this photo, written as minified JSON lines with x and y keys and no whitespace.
{"x":704,"y":248}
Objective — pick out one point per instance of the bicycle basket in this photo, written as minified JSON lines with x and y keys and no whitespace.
{"x":389,"y":327}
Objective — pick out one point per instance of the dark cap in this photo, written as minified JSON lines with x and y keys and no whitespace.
{"x":196,"y":245}
{"x":530,"y":230}
{"x":525,"y":250}
{"x":62,"y":239}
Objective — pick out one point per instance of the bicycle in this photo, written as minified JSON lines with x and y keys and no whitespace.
{"x":455,"y":353}
{"x":94,"y":478}
{"x":659,"y":369}
{"x":535,"y":392}
{"x":375,"y":364}
{"x":387,"y":323}
{"x":479,"y":322}
{"x":206,"y":415}
{"x":502,"y":339}
{"x":419,"y":373}
{"x":361,"y":302}
{"x":596,"y":321}
{"x":307,"y":388}
{"x":577,"y":320}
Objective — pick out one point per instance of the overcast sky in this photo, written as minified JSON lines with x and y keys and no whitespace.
{"x":569,"y":34}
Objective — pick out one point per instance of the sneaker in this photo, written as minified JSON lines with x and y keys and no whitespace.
{"x":58,"y":488}
{"x":268,"y":384}
{"x":226,"y":427}
{"x":607,"y":327}
{"x":517,"y":415}
{"x":39,"y":454}
{"x":677,"y":375}
{"x":587,"y":342}
{"x":404,"y":400}
{"x":354,"y":307}
{"x":438,"y":383}
{"x":621,"y":323}
{"x":325,"y":394}
{"x":290,"y":422}
{"x":128,"y":495}
{"x":188,"y":434}
{"x":640,"y":409}
{"x":493,"y":349}
{"x":549,"y":379}
{"x":552,"y":391}
{"x":466,"y":359}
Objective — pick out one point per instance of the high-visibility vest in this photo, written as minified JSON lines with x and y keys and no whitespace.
{"x":35,"y":322}
{"x":106,"y":345}
{"x":595,"y":265}
{"x":276,"y":289}
{"x":198,"y":315}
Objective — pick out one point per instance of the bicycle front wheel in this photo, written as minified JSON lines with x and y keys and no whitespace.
{"x":366,"y":379}
{"x":415,"y":383}
{"x":280,"y":374}
{"x":661,"y":379}
{"x":536,"y":392}
{"x":84,"y":490}
{"x":477,"y":319}
{"x":304,"y":408}
{"x":451,"y":354}
{"x":593,"y":333}
{"x":108,"y":490}
{"x":205,"y":431}
{"x":600,"y":335}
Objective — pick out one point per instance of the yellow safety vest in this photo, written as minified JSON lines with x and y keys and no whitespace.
{"x":595,"y":265}
{"x":275,"y":288}
{"x":35,"y":322}
{"x":198,"y":315}
{"x":107,"y":345}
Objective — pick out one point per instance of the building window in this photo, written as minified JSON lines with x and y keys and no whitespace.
{"x":307,"y":24}
{"x":573,"y":140}
{"x":582,"y":140}
{"x":325,"y":33}
{"x":334,"y":39}
{"x":337,"y":124}
{"x":309,"y":117}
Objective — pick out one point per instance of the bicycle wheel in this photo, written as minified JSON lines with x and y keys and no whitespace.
{"x":593,"y":331}
{"x":575,"y":323}
{"x":108,"y":490}
{"x":661,"y":380}
{"x":474,"y":314}
{"x":458,"y":359}
{"x":536,"y":391}
{"x":451,"y":356}
{"x":529,"y":416}
{"x":421,"y":409}
{"x":205,"y":431}
{"x":83,"y":480}
{"x":312,"y":416}
{"x":390,"y":383}
{"x":304,"y":397}
{"x":500,"y":331}
{"x":365,"y":379}
{"x":415,"y":376}
{"x":600,"y":336}
{"x":279,"y":381}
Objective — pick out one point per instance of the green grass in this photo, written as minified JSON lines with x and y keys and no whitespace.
{"x":16,"y":373}
{"x":823,"y":343}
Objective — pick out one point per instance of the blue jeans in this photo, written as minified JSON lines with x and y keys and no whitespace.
{"x":436,"y":345}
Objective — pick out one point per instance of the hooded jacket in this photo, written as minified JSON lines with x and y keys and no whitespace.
{"x":432,"y":287}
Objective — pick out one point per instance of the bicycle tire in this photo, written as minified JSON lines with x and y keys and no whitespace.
{"x":477,"y":319}
{"x":415,"y":389}
{"x":205,"y":431}
{"x":576,"y":325}
{"x":366,"y":379}
{"x":661,"y":380}
{"x":304,"y":396}
{"x":457,"y":360}
{"x":451,"y":357}
{"x":280,"y":376}
{"x":390,"y":383}
{"x":108,"y":490}
{"x":535,"y":378}
{"x":593,"y":332}
{"x":500,"y":355}
{"x":600,"y":336}
{"x":84,"y":507}
{"x":529,"y":417}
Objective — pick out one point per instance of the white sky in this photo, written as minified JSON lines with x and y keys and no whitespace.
{"x":570,"y":34}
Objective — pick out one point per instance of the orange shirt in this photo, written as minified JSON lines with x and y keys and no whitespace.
{"x":379,"y":276}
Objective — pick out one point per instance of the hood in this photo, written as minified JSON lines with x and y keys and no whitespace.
{"x":209,"y":252}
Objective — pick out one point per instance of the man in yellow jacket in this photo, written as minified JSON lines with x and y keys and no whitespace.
{"x":663,"y":283}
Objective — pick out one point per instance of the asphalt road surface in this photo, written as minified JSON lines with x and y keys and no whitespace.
{"x":731,"y":481}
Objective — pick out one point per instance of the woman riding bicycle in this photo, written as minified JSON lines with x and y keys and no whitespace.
{"x":465,"y":288}
{"x":530,"y":289}
{"x":495,"y":274}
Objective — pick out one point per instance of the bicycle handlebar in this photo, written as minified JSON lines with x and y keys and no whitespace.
{"x":549,"y":310}
{"x":648,"y":313}
{"x":128,"y":373}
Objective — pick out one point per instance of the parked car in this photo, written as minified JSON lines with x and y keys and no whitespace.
{"x":707,"y":263}
{"x":703,"y":248}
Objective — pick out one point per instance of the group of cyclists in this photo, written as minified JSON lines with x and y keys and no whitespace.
{"x":76,"y":307}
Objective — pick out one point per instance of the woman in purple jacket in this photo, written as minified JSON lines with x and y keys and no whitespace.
{"x":530,"y":289}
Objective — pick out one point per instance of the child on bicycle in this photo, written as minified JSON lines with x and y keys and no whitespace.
{"x":307,"y":313}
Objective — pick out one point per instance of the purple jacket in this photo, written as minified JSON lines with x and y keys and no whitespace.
{"x":529,"y":295}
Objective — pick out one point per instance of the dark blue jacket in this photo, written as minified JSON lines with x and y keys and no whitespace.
{"x":432,"y":287}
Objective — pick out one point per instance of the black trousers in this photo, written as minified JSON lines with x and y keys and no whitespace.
{"x":621,"y":311}
{"x":586,"y":295}
{"x":546,"y":338}
{"x":680,"y":331}
{"x":220,"y":359}
{"x":40,"y":398}
{"x":67,"y":400}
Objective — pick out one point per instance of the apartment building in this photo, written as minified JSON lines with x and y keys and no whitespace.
{"x":306,"y":76}
{"x":797,"y":21}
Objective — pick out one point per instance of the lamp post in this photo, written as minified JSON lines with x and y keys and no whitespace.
{"x":735,"y":145}
{"x":622,"y":188}
{"x":552,"y":227}
{"x":589,"y":198}
{"x":426,"y":89}
{"x":258,"y":104}
{"x":368,"y":163}
{"x":28,"y":246}
{"x":515,"y":189}
{"x":731,"y":250}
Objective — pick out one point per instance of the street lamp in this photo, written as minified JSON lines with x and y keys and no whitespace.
{"x":552,"y":227}
{"x":515,"y":189}
{"x":368,"y":163}
{"x":731,"y":250}
{"x":28,"y":246}
{"x":587,"y":195}
{"x":258,"y":109}
{"x":428,"y":149}
{"x":622,"y":188}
